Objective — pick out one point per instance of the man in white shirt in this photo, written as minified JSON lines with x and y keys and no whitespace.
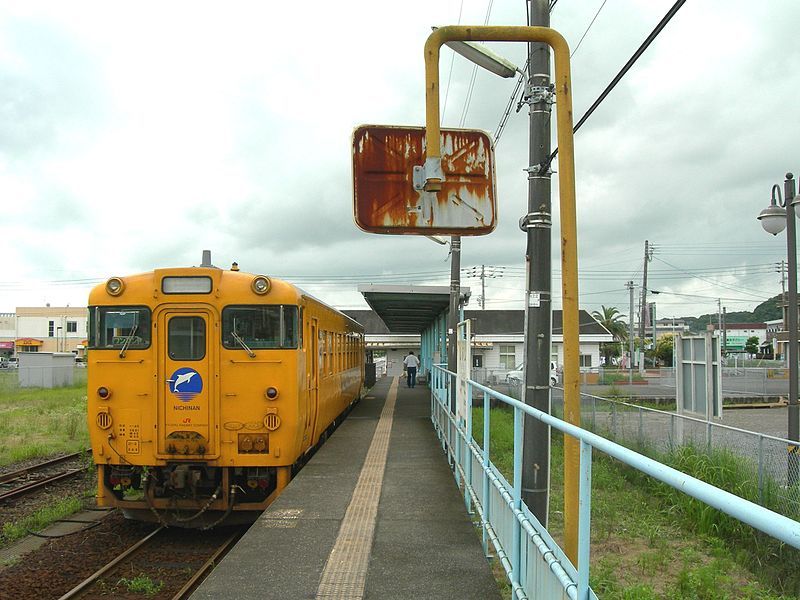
{"x":411,"y":363}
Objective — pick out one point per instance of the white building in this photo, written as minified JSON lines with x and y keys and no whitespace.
{"x":44,"y":329}
{"x":497,"y":341}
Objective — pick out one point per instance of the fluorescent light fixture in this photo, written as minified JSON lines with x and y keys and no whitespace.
{"x":483,"y":57}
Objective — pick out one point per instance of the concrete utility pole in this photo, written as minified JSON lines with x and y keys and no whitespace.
{"x":643,"y":317}
{"x":630,"y":335}
{"x":452,"y":320}
{"x":724,"y":332}
{"x":483,"y":287}
{"x":538,"y":305}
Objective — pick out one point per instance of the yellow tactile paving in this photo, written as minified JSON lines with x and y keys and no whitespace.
{"x":345,"y":572}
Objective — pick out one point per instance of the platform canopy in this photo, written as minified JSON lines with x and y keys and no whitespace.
{"x":409,"y":308}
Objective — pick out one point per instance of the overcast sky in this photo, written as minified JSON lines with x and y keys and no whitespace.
{"x":132,"y":139}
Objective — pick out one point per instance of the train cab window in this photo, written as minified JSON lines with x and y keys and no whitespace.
{"x":186,"y":338}
{"x":117,"y":327}
{"x":260,"y":327}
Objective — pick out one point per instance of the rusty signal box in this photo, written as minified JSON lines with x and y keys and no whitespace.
{"x":387,"y":199}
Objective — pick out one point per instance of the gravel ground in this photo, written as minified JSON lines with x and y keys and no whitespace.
{"x":15,"y":510}
{"x":60,"y":564}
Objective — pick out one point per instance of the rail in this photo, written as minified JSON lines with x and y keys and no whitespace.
{"x":535,"y":565}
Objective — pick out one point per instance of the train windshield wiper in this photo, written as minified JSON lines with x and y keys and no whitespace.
{"x":128,"y":341}
{"x":240,"y":341}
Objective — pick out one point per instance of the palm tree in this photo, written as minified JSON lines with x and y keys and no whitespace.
{"x":610,"y":318}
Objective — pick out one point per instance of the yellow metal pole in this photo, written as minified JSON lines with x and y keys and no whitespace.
{"x":569,"y":226}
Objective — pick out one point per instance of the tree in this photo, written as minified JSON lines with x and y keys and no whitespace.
{"x":665,"y":346}
{"x":610,"y":318}
{"x":751,"y":346}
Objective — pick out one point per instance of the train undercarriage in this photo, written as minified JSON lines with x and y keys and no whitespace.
{"x":192,"y":495}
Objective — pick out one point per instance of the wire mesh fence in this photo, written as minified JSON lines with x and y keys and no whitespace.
{"x":763,"y":468}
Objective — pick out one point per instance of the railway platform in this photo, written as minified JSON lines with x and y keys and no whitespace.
{"x":375,"y":513}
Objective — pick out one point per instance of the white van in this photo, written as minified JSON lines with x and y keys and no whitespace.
{"x":518,"y":374}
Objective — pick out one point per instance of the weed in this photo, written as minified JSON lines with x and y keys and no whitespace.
{"x":142,"y":584}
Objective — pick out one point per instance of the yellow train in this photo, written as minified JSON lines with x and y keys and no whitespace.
{"x":208,"y":388}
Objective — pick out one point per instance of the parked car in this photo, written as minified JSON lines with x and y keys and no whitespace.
{"x":13,"y":362}
{"x":518,"y":374}
{"x":3,"y":362}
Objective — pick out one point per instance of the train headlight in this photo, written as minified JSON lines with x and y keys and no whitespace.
{"x":114,"y":286}
{"x":261,"y":285}
{"x":271,"y":393}
{"x":103,"y":392}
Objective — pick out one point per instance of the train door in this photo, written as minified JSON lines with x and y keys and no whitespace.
{"x":187,"y":406}
{"x":313,"y":366}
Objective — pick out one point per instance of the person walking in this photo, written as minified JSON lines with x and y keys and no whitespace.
{"x":411,"y":363}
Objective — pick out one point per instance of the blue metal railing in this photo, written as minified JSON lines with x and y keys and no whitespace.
{"x":535,"y":565}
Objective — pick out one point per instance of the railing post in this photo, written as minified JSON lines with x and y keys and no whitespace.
{"x":486,"y":503}
{"x":467,"y":451}
{"x":761,"y":469}
{"x":516,"y":544}
{"x":584,"y":520}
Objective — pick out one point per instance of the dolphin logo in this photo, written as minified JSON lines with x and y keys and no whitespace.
{"x":183,"y":378}
{"x":186,"y":383}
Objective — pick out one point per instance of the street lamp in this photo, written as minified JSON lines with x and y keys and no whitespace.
{"x":779,"y":214}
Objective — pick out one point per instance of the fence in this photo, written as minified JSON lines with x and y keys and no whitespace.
{"x":534,"y":564}
{"x":775,"y":473}
{"x":41,"y":377}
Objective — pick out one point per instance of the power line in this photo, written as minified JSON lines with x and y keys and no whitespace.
{"x":653,"y":35}
{"x":588,"y":28}
{"x":474,"y":74}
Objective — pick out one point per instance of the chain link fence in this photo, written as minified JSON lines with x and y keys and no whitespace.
{"x":765,"y":468}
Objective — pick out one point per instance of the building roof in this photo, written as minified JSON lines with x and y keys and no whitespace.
{"x":408,"y":308}
{"x":743,"y":326}
{"x":485,"y":322}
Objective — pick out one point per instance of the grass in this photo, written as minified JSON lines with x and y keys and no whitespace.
{"x":38,"y":422}
{"x":141,"y":584}
{"x":649,"y":541}
{"x":41,"y":518}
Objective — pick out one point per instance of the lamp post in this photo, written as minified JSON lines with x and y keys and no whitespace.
{"x":779,"y":214}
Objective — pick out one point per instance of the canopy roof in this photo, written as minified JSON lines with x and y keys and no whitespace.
{"x":408,"y":308}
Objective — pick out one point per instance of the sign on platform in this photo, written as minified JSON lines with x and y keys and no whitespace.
{"x":386,"y":200}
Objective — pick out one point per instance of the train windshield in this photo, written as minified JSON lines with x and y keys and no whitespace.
{"x":119,"y":327}
{"x":259,"y":326}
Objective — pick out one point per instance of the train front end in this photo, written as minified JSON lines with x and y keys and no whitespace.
{"x":195,"y":403}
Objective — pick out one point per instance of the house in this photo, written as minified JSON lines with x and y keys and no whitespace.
{"x":497,"y":341}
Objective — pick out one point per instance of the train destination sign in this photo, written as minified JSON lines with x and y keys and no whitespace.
{"x":386,"y":198}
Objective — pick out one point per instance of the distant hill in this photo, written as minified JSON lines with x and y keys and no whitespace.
{"x":766,"y":311}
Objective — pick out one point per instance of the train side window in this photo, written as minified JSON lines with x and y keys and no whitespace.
{"x":186,"y":338}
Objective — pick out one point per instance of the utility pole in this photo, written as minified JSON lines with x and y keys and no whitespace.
{"x":452,"y":317}
{"x":630,"y":335}
{"x":724,"y":331}
{"x":643,"y":306}
{"x":538,"y":305}
{"x":483,"y":288}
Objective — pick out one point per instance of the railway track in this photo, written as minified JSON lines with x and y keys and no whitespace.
{"x":172,"y":561}
{"x":27,"y":480}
